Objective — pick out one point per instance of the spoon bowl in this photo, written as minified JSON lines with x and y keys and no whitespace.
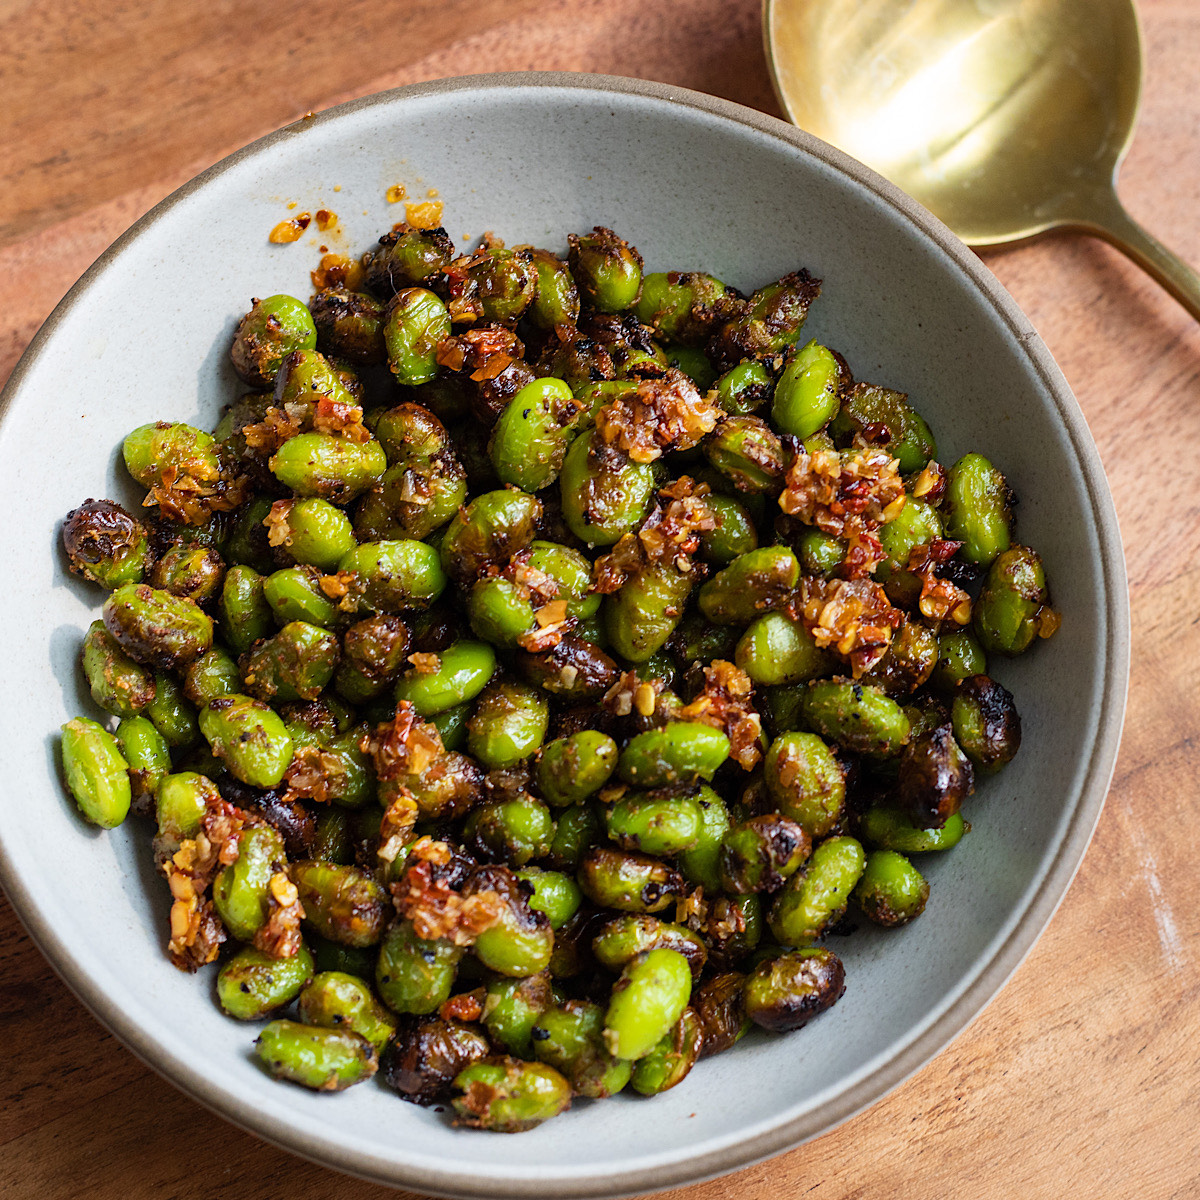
{"x":1005,"y":118}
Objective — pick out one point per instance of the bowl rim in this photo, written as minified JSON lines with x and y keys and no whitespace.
{"x":980,"y":990}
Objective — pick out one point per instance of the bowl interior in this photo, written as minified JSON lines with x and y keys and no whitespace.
{"x":146,"y":337}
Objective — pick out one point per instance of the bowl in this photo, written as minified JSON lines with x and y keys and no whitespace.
{"x":695,"y":182}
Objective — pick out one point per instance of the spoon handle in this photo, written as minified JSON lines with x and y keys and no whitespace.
{"x":1111,"y":222}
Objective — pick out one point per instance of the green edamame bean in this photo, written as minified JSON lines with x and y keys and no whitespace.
{"x":267,"y":334}
{"x":573,"y":768}
{"x":416,"y":322}
{"x":680,"y":752}
{"x":249,"y":738}
{"x":806,"y":396}
{"x":306,"y":377}
{"x":243,"y":612}
{"x":680,"y":306}
{"x":512,"y":831}
{"x":336,"y":1000}
{"x":344,"y":904}
{"x":333,"y":843}
{"x":530,"y":439}
{"x":555,"y":895}
{"x":744,"y":388}
{"x":669,"y":1062}
{"x":748,"y":453}
{"x":410,"y":434}
{"x":252,"y":985}
{"x":607,"y":270}
{"x":156,"y":628}
{"x":396,"y":576}
{"x":556,"y":302}
{"x":571,"y":572}
{"x":622,"y":939}
{"x":296,"y":664}
{"x":701,"y":864}
{"x":577,"y":829}
{"x":452,"y":726}
{"x":628,"y":882}
{"x":783,"y":709}
{"x":97,"y":772}
{"x":786,"y":992}
{"x":891,"y":829}
{"x":332,"y":956}
{"x":819,"y":553}
{"x":778,"y":650}
{"x":329,"y":467}
{"x":173,"y":716}
{"x":857,"y":717}
{"x":909,"y":439}
{"x":959,"y":657}
{"x":105,"y":544}
{"x":735,"y":534}
{"x":646,"y":1002}
{"x":508,"y":725}
{"x":693,"y":362}
{"x":490,"y":530}
{"x":604,"y":494}
{"x":654,"y":823}
{"x":213,"y":674}
{"x":319,"y":534}
{"x":918,"y":524}
{"x":760,"y":853}
{"x":117,"y":683}
{"x":640,"y":618}
{"x":175,"y":447}
{"x":500,"y":611}
{"x":180,"y":805}
{"x":751,"y":585}
{"x":294,"y":594}
{"x":769,"y":324}
{"x":325,"y":1060}
{"x":415,"y":975}
{"x":192,"y":571}
{"x":239,"y":891}
{"x":977,"y":508}
{"x":816,"y":897}
{"x":512,"y":1008}
{"x":806,"y":782}
{"x":521,"y":942}
{"x":570,"y":1038}
{"x":147,"y":753}
{"x":350,"y":325}
{"x":248,"y":543}
{"x":986,"y":723}
{"x":407,"y":256}
{"x":891,"y":891}
{"x":509,"y":1096}
{"x":1008,"y":613}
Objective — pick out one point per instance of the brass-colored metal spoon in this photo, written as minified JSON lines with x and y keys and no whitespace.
{"x":1005,"y":118}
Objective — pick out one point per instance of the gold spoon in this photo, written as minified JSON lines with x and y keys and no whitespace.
{"x":1005,"y":118}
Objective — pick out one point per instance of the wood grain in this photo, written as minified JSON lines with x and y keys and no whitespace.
{"x":1083,"y":1077}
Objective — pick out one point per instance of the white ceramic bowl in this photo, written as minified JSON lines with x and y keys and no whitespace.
{"x":695,"y":183}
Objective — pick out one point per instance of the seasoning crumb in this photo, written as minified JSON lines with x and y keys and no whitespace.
{"x":325,"y":219}
{"x":337,"y":187}
{"x":396,"y":193}
{"x":291,"y":205}
{"x":290,"y":230}
{"x":426,"y":215}
{"x":433,"y":193}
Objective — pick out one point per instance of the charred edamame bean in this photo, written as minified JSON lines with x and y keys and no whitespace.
{"x":628,"y":882}
{"x":607,"y":270}
{"x":345,"y":905}
{"x":770,"y":323}
{"x":906,"y":435}
{"x":511,"y":831}
{"x":986,"y":723}
{"x":325,"y":1060}
{"x":977,"y":507}
{"x":891,"y":891}
{"x":240,"y":889}
{"x":751,"y":585}
{"x":490,"y":530}
{"x":816,"y":897}
{"x":786,"y":992}
{"x":620,"y":940}
{"x":530,"y":440}
{"x":521,"y":941}
{"x":670,"y":1061}
{"x":759,"y":854}
{"x":509,"y":1096}
{"x":777,"y":650}
{"x":156,"y":628}
{"x":748,"y":453}
{"x":329,"y":467}
{"x":935,"y":777}
{"x":421,"y":1063}
{"x":508,"y":724}
{"x":117,"y":683}
{"x":252,"y":985}
{"x":296,"y":664}
{"x":105,"y":544}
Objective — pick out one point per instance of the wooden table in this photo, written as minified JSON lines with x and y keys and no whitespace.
{"x":1083,"y":1078}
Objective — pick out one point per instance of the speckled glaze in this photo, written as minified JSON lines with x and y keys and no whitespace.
{"x":696,"y":183}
